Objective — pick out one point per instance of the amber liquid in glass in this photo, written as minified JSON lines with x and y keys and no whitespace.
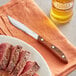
{"x":62,"y":10}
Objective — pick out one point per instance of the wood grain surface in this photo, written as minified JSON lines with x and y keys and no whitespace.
{"x":28,"y":12}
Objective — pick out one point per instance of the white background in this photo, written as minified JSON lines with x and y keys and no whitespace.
{"x":69,"y":29}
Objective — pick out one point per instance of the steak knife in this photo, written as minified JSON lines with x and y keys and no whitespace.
{"x":52,"y":47}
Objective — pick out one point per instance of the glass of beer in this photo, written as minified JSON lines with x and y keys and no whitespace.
{"x":62,"y":11}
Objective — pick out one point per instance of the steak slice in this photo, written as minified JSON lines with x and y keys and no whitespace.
{"x":4,"y":73}
{"x":14,"y":58}
{"x":5,"y":52}
{"x":30,"y":68}
{"x":22,"y":62}
{"x":35,"y":74}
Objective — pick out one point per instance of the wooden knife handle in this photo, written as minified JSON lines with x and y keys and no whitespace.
{"x":54,"y":49}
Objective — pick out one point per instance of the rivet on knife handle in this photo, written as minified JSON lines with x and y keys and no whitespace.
{"x":54,"y":49}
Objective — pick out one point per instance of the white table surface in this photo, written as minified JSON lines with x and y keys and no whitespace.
{"x":68,"y":29}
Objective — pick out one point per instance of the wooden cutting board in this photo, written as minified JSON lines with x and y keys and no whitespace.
{"x":28,"y":12}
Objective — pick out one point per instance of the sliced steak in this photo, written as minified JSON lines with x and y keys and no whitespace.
{"x":4,"y":73}
{"x":30,"y":69}
{"x":35,"y":74}
{"x":5,"y":52}
{"x":22,"y":62}
{"x":14,"y":58}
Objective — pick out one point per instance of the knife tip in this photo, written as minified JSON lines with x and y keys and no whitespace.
{"x":8,"y":16}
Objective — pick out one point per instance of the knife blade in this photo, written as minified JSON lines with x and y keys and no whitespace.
{"x":52,"y":47}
